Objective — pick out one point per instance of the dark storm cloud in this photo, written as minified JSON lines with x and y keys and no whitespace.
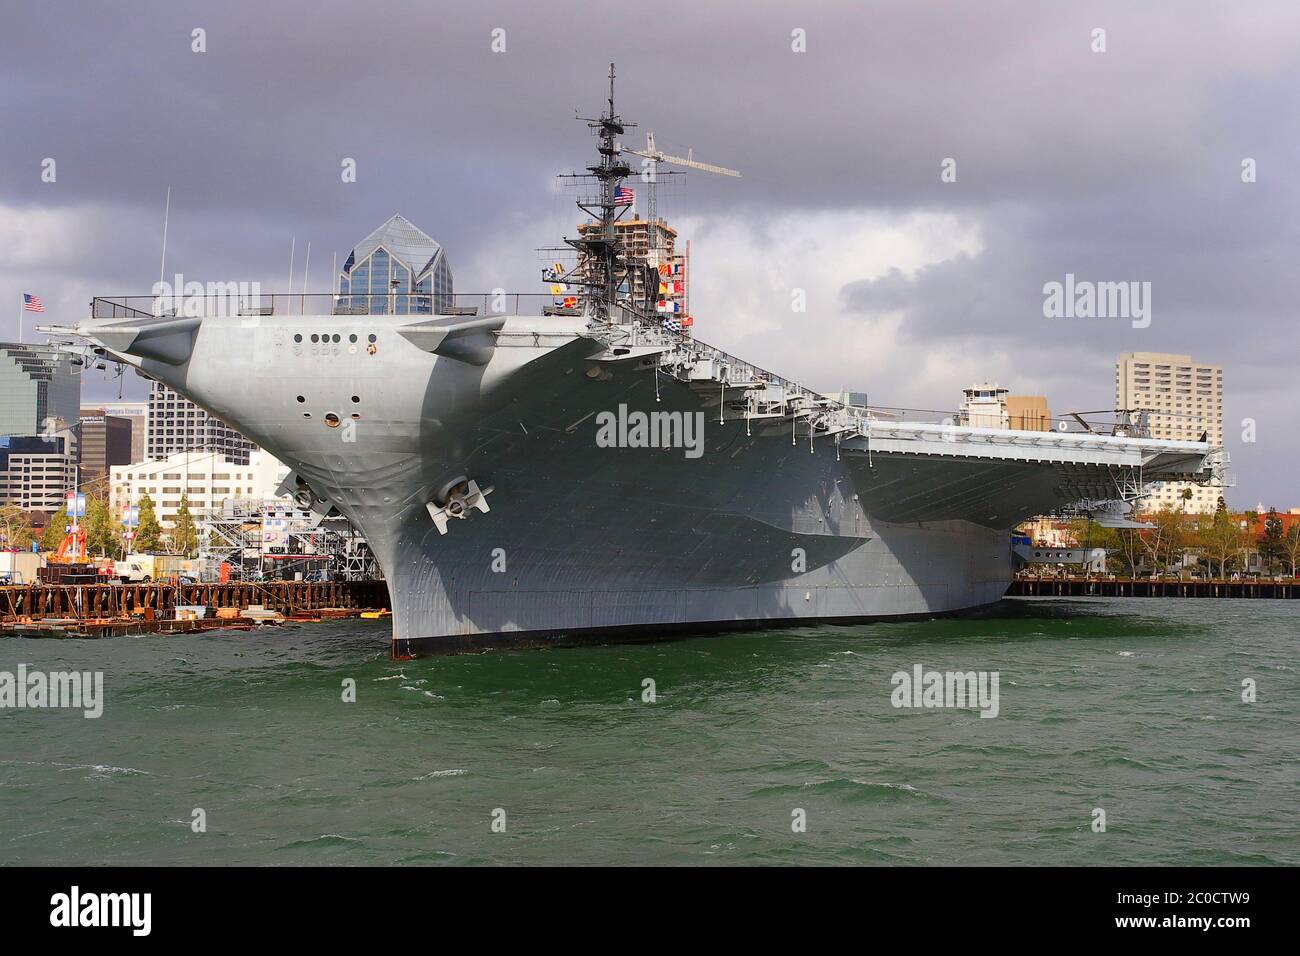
{"x":1114,"y":166}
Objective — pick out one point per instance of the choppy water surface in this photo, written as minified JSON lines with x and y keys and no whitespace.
{"x":1131,"y":706}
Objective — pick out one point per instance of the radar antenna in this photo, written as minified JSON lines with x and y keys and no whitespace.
{"x":598,"y":246}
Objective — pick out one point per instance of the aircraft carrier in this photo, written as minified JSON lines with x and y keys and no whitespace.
{"x":596,"y":473}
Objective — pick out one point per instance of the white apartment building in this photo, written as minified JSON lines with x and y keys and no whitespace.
{"x":205,"y":478}
{"x":37,"y":470}
{"x":1184,"y":400}
{"x":178,"y":425}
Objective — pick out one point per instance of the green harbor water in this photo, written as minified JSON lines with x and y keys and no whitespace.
{"x":1134,"y":707}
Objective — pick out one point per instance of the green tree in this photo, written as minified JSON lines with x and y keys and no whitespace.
{"x":1163,"y":541}
{"x":1178,"y":538}
{"x":1221,"y":538}
{"x":102,"y":532}
{"x":185,"y":533}
{"x":15,"y":528}
{"x":148,"y":533}
{"x":1130,"y":548}
{"x":1271,"y":549}
{"x":1291,"y":546}
{"x":54,"y":534}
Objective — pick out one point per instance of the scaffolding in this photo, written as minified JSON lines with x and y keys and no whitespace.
{"x":272,"y":539}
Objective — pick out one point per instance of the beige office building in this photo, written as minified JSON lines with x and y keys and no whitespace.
{"x":1184,"y":399}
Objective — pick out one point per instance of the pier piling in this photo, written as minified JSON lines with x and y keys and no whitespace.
{"x":1028,"y":586}
{"x":107,"y":601}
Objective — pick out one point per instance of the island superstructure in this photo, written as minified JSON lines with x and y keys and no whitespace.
{"x":595,"y":472}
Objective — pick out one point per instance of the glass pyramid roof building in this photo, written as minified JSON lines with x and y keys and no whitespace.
{"x":397,"y":268}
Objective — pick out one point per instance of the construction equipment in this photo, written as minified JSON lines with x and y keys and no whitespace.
{"x":656,"y":157}
{"x":72,"y":549}
{"x":69,"y":563}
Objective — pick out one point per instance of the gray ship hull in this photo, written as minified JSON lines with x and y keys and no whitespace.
{"x":587,"y":539}
{"x":765,"y":521}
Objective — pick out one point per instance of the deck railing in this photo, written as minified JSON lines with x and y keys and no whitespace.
{"x":325,"y":303}
{"x":1132,"y":423}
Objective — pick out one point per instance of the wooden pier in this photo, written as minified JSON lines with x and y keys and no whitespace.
{"x":109,"y":601}
{"x":1027,"y":586}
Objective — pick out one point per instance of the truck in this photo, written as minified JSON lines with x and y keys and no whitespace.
{"x":145,"y":568}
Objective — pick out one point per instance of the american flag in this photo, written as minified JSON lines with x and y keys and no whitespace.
{"x":32,"y":303}
{"x":623,"y":196}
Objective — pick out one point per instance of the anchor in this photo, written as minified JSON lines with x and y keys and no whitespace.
{"x":459,"y":497}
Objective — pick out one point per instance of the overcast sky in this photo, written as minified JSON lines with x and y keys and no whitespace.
{"x":1123,"y":165}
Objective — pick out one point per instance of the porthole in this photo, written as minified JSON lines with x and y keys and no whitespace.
{"x":315,"y":338}
{"x":301,"y":399}
{"x":355,"y":415}
{"x":331,"y":420}
{"x":306,"y":414}
{"x":337,"y":337}
{"x":356,"y":399}
{"x":352,"y":337}
{"x":372,"y":338}
{"x":297,"y":338}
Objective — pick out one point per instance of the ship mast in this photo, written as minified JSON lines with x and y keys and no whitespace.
{"x":598,"y":246}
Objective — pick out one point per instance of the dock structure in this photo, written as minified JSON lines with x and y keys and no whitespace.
{"x":111,"y":601}
{"x":1083,"y":586}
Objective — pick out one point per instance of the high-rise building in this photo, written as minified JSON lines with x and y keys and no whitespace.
{"x":40,"y":389}
{"x":178,"y":425}
{"x":137,"y":413}
{"x":36,"y":471}
{"x":652,"y":243}
{"x":1183,"y":400}
{"x":395,"y":270}
{"x":105,"y":441}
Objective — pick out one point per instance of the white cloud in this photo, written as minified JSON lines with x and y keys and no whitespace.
{"x":744,"y":273}
{"x":42,"y":238}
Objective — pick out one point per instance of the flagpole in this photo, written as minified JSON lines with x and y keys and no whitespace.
{"x":22,"y":307}
{"x":162,"y":266}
